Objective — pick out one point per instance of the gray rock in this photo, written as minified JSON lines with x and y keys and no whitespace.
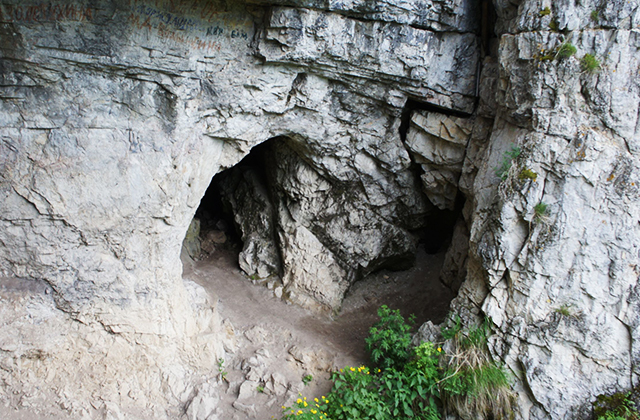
{"x":203,"y":405}
{"x":246,"y":195}
{"x":191,"y":243}
{"x":115,"y":117}
{"x":414,"y":61}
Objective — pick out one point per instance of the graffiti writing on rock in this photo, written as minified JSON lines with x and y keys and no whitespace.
{"x":186,"y":28}
{"x":45,"y":12}
{"x":180,"y":23}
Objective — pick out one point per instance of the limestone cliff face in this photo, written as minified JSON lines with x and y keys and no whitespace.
{"x":115,"y":116}
{"x":561,"y":284}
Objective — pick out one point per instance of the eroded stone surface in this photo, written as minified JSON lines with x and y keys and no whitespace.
{"x":114,"y":117}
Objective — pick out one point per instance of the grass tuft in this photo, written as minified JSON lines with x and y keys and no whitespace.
{"x":566,"y":50}
{"x":590,"y":64}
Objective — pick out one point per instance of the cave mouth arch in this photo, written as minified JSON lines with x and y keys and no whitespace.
{"x":240,"y":215}
{"x":236,"y":210}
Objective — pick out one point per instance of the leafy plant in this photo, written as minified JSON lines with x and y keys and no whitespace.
{"x":564,"y":310}
{"x":527,"y":174}
{"x":617,"y":406}
{"x":221,"y":371}
{"x":507,"y":159}
{"x":387,"y":395}
{"x":304,"y":410}
{"x":589,"y":63}
{"x":306,"y":379}
{"x":594,"y":16}
{"x":566,"y":50}
{"x":554,"y":25}
{"x":389,"y":339}
{"x":355,"y":396}
{"x":260,"y":389}
{"x":544,"y":12}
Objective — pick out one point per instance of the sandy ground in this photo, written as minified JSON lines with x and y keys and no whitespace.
{"x":271,"y":339}
{"x":338,"y":341}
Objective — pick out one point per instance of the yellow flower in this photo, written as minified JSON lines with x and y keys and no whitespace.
{"x":298,"y":401}
{"x":299,"y":412}
{"x":316,"y":400}
{"x":305,"y":404}
{"x":313,"y":411}
{"x":353,"y":369}
{"x":323,"y":397}
{"x":439,"y":348}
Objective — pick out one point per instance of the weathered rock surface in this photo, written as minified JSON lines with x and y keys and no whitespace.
{"x":560,"y":284}
{"x":438,"y":67}
{"x":115,"y":115}
{"x":246,"y":193}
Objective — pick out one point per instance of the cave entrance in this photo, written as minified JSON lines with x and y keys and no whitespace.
{"x":438,"y":233}
{"x":240,"y":235}
{"x":237,"y":221}
{"x":235,"y":218}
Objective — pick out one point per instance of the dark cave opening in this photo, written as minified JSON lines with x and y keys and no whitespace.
{"x":238,"y":221}
{"x":218,"y":210}
{"x":439,"y":227}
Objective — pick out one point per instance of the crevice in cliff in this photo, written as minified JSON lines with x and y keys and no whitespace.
{"x":437,"y":153}
{"x":488,"y":19}
{"x":412,"y":105}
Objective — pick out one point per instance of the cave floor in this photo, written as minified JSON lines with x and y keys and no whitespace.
{"x":270,"y":345}
{"x":297,"y":342}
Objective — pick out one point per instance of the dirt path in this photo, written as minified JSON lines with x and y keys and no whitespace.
{"x":265,"y":324}
{"x":273,"y":345}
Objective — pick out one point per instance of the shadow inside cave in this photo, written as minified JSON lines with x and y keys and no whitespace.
{"x":222,"y":219}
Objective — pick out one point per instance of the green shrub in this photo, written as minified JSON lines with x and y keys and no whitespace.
{"x":617,"y":406}
{"x":527,"y":174}
{"x":589,"y":63}
{"x":554,"y":25}
{"x":411,"y":382}
{"x":389,"y":339}
{"x":507,"y":159}
{"x":594,"y":16}
{"x":389,"y":394}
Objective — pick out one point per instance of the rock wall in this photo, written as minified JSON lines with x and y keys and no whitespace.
{"x":115,"y":115}
{"x":553,"y":240}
